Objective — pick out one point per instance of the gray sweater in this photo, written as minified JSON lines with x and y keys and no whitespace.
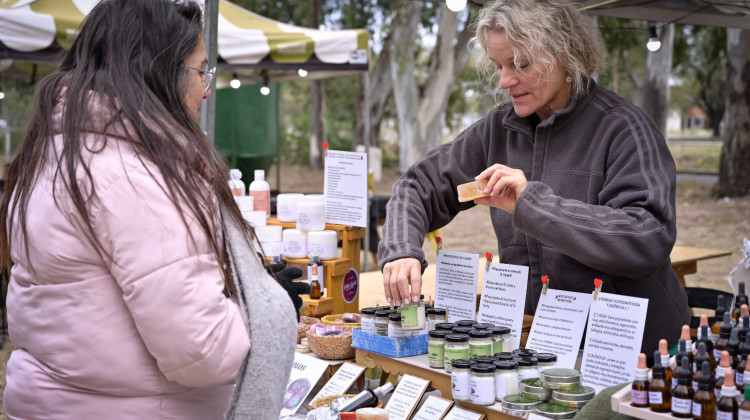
{"x":599,"y":202}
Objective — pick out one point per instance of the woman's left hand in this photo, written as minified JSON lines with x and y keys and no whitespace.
{"x":504,"y":184}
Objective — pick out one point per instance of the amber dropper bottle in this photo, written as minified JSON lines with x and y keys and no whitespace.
{"x":718,"y":322}
{"x":739,"y":377}
{"x":659,"y":390}
{"x":705,"y":338}
{"x":701,"y":357}
{"x":744,"y":411}
{"x":704,"y":402}
{"x":724,"y":334}
{"x":733,"y":346}
{"x":727,"y":406}
{"x":720,"y":371}
{"x":677,"y":371}
{"x":688,"y":346}
{"x":315,"y":289}
{"x":744,"y":329}
{"x":664,"y":355}
{"x":739,"y":299}
{"x":682,"y":396}
{"x":639,"y":392}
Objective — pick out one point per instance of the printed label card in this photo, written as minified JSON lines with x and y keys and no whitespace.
{"x":434,"y":408}
{"x":345,"y":186}
{"x":405,"y":397}
{"x":342,"y":380}
{"x":306,"y":371}
{"x":504,"y":298}
{"x":456,"y":281}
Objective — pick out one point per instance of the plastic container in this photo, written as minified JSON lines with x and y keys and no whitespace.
{"x":435,"y":316}
{"x":261,"y":193}
{"x":235,"y":183}
{"x":480,"y":343}
{"x":461,"y":379}
{"x":367,"y":320}
{"x":269,"y":233}
{"x":381,"y":322}
{"x":323,"y":243}
{"x":295,"y":243}
{"x":483,"y":384}
{"x":311,"y":215}
{"x":286,"y":206}
{"x":413,"y":315}
{"x":244,"y":202}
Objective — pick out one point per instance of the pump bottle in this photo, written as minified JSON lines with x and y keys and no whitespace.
{"x":367,"y":398}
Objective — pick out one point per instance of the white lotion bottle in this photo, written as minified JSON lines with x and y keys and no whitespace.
{"x":235,"y":183}
{"x":261,"y":193}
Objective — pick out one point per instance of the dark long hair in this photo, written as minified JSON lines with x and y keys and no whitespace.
{"x":130,"y":53}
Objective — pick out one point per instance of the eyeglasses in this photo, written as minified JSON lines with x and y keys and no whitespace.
{"x":206,"y":75}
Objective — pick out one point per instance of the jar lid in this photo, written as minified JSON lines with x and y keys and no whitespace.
{"x":456,"y":338}
{"x":527,"y":361}
{"x":435,"y":311}
{"x":465,"y":322}
{"x":524,"y":352}
{"x":461,"y":330}
{"x":505,"y":364}
{"x":385,"y":313}
{"x":533,"y":388}
{"x":546,"y":357}
{"x":484,"y":359}
{"x":445,"y":326}
{"x":368,"y":311}
{"x":482,"y":326}
{"x":505,"y":356}
{"x":574,"y":394}
{"x":395,"y":316}
{"x":560,"y":376}
{"x":519,"y":402}
{"x":461,"y":363}
{"x":554,"y":411}
{"x":483,"y":368}
{"x":500,"y":330}
{"x":480,"y":333}
{"x":439,"y":333}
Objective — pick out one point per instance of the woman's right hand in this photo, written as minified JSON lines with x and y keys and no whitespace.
{"x":402,"y":280}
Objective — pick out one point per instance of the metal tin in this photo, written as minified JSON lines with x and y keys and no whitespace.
{"x":575,"y":397}
{"x":532,"y":388}
{"x":555,"y":411}
{"x":517,"y":413}
{"x":558,"y":378}
{"x":519,"y":402}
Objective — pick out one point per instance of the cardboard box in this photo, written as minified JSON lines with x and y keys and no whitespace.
{"x":392,"y":347}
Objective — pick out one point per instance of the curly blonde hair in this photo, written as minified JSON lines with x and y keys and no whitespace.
{"x":548,"y":33}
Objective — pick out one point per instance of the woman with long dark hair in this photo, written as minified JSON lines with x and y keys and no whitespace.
{"x":122,"y":301}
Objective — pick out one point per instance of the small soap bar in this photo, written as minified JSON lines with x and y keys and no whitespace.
{"x":471,"y":190}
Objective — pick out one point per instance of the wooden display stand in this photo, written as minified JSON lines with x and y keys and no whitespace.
{"x":336,"y":269}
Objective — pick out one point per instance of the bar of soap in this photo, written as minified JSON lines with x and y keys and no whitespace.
{"x":471,"y":190}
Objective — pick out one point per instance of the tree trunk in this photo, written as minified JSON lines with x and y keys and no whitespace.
{"x":655,"y":89}
{"x":381,"y":87}
{"x":317,"y":94}
{"x":615,"y":73}
{"x":421,"y":109}
{"x":734,"y":172}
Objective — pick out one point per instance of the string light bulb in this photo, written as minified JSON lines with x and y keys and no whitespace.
{"x":653,"y":43}
{"x":455,"y":5}
{"x":265,"y":90}
{"x":235,"y":83}
{"x":302,"y":72}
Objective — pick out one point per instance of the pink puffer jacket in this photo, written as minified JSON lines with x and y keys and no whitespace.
{"x":145,"y":335}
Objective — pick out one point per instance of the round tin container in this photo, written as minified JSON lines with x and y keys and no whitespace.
{"x":555,"y":411}
{"x":560,"y":378}
{"x":532,"y":388}
{"x":575,"y":397}
{"x":518,"y":402}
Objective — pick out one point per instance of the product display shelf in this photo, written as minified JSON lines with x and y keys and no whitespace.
{"x":335,"y":270}
{"x":621,"y":404}
{"x":439,"y":378}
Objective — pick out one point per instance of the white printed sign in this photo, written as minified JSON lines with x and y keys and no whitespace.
{"x":434,"y":408}
{"x":458,"y":413}
{"x":345,"y":187}
{"x":456,"y":280}
{"x":406,"y":396}
{"x":306,"y":371}
{"x":613,"y":340}
{"x":558,"y":325}
{"x":504,"y":297}
{"x":341,"y":381}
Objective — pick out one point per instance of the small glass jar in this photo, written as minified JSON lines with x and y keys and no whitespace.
{"x":435,"y":316}
{"x":461,"y":330}
{"x":506,"y":378}
{"x":394,"y":326}
{"x":367,"y":320}
{"x":527,"y":368}
{"x":483,"y":384}
{"x":482,"y":325}
{"x":448,"y":326}
{"x":500,"y":339}
{"x":480,"y":343}
{"x":413,"y":315}
{"x":545,"y":361}
{"x":436,"y":349}
{"x":456,"y":347}
{"x":381,"y":322}
{"x":461,"y":379}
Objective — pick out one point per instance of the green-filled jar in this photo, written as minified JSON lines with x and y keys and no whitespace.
{"x":456,"y":347}
{"x":436,"y":349}
{"x":555,"y":411}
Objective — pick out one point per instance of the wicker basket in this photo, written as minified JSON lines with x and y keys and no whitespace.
{"x":331,"y":347}
{"x":326,"y":401}
{"x":331,"y":320}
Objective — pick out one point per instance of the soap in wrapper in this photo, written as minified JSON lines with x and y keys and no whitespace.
{"x":471,"y":190}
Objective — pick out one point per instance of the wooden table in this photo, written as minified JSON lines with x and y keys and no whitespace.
{"x":685,"y":259}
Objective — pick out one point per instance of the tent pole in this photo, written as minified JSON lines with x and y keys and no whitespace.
{"x":210,"y":26}
{"x":367,"y":152}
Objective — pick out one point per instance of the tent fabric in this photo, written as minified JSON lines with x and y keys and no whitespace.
{"x":39,"y":30}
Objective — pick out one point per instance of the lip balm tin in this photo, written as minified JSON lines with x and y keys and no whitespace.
{"x":518,"y":406}
{"x":553,"y":411}
{"x":575,"y":397}
{"x":556,"y":378}
{"x":532,"y":388}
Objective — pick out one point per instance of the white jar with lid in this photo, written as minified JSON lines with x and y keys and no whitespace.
{"x":367,"y":320}
{"x":527,"y":368}
{"x":461,"y":379}
{"x":311,"y":215}
{"x":255,"y":218}
{"x":506,"y":378}
{"x":269,"y":233}
{"x":286,"y":206}
{"x":483,"y":384}
{"x":295,"y":243}
{"x":323,"y":243}
{"x":244,"y":202}
{"x":456,"y":347}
